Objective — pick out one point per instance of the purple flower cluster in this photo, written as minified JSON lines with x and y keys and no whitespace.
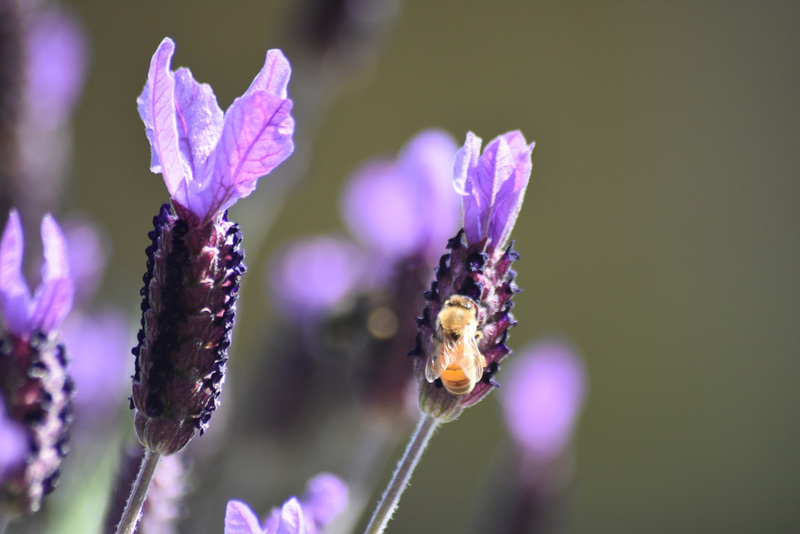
{"x":208,"y":161}
{"x":33,"y":366}
{"x":402,"y":213}
{"x":324,"y":499}
{"x":400,"y":210}
{"x":478,"y":267}
{"x":356,"y":300}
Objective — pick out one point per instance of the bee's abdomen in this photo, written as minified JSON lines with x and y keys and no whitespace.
{"x":456,"y":381}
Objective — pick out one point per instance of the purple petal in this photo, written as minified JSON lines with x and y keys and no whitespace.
{"x":55,"y":57}
{"x":240,"y":519}
{"x":464,"y":184}
{"x":157,"y":108}
{"x":292,"y":520}
{"x":199,"y":120}
{"x":493,"y":188}
{"x":543,"y":398}
{"x":53,"y":298}
{"x":512,"y":170}
{"x":15,"y":297}
{"x":325,"y":498}
{"x":274,"y":75}
{"x":256,"y":138}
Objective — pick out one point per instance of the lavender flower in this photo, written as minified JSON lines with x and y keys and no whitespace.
{"x":463,"y":330}
{"x":208,"y":161}
{"x":405,"y":207}
{"x":55,"y":59}
{"x":98,"y":344}
{"x":324,"y":499}
{"x":543,"y":398}
{"x":89,"y":250}
{"x":311,"y":277}
{"x":240,"y":519}
{"x":55,"y":64}
{"x":33,"y":378}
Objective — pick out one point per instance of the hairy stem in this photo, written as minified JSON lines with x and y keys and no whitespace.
{"x":133,"y":508}
{"x":391,"y":497}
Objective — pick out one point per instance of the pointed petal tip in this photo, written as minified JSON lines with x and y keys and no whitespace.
{"x":240,"y":519}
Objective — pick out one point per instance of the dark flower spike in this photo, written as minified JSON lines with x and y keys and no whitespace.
{"x":208,"y":160}
{"x":34,"y":384}
{"x":465,"y":324}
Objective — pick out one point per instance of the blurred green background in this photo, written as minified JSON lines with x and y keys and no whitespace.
{"x":659,"y":232}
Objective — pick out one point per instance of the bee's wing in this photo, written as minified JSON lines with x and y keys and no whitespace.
{"x":445,"y":353}
{"x":432,"y":368}
{"x":473,"y":361}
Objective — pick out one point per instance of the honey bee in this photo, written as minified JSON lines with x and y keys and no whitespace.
{"x":456,"y":358}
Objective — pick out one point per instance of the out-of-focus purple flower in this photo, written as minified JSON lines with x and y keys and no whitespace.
{"x":289,"y":519}
{"x":312,"y":277}
{"x":406,"y":206}
{"x":33,"y":376}
{"x":56,"y":51}
{"x":240,"y":519}
{"x":492,"y":185}
{"x":99,"y":345}
{"x":44,"y":311}
{"x":210,"y":160}
{"x":325,"y":497}
{"x":88,"y":247}
{"x":14,"y":442}
{"x":543,"y":398}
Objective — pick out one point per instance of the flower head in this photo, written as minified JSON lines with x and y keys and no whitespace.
{"x":463,"y":330}
{"x":310,"y":278}
{"x":405,"y":206}
{"x":325,"y":498}
{"x":188,"y":309}
{"x":208,"y":159}
{"x":543,"y":399}
{"x":33,"y":365}
{"x":22,"y":313}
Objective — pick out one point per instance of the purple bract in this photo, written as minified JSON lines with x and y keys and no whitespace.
{"x":492,"y":185}
{"x":208,"y":159}
{"x":52,"y":300}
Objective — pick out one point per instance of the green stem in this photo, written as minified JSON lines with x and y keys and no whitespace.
{"x":391,"y":497}
{"x":133,"y":508}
